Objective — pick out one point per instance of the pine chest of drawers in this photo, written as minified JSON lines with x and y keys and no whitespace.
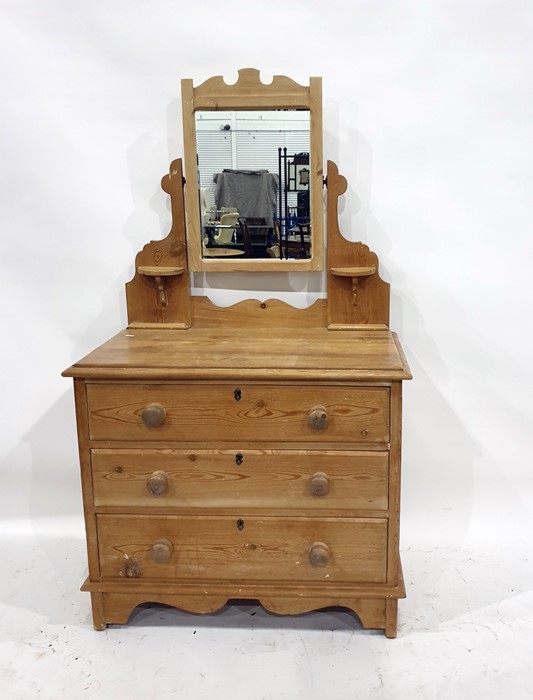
{"x":248,"y":452}
{"x":261,"y":463}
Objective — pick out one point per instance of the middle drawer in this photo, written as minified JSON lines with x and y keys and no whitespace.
{"x":321,"y":480}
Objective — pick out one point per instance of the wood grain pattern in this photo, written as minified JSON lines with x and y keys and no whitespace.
{"x":82,"y":424}
{"x":260,"y":353}
{"x":358,"y":298}
{"x":272,"y":479}
{"x":263,"y":412}
{"x":391,"y":617}
{"x":394,"y":483}
{"x":100,"y":618}
{"x":374,"y":604}
{"x":247,"y":590}
{"x":250,"y":92}
{"x":252,"y":313}
{"x":207,"y":546}
{"x":371,"y":613}
{"x":119,"y":606}
{"x":165,"y":298}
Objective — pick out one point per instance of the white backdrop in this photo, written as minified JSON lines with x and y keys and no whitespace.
{"x":428,"y":112}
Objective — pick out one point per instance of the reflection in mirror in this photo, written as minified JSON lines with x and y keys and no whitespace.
{"x":253,"y":174}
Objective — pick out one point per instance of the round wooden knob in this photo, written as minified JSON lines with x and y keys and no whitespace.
{"x":318,"y":418}
{"x":161,"y":551}
{"x":319,"y":554}
{"x":319,"y":484}
{"x":158,"y":483}
{"x":154,"y":415}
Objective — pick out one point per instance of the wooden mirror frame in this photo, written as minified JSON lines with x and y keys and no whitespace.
{"x":249,"y":93}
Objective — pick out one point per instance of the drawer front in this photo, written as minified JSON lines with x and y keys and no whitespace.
{"x":240,"y":478}
{"x":226,"y":413}
{"x":243,"y":548}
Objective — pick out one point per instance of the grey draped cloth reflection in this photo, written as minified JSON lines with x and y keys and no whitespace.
{"x":252,"y":192}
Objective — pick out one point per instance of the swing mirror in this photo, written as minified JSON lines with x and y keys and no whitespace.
{"x":253,"y":171}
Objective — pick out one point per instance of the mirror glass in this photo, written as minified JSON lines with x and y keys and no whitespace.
{"x":253,"y":175}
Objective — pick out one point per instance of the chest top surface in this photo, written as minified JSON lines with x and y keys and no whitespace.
{"x":260,"y":353}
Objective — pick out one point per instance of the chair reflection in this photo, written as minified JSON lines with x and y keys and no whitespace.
{"x":246,"y":237}
{"x":275,"y":250}
{"x":225,"y":228}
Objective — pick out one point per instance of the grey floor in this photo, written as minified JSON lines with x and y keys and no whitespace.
{"x":465,"y":632}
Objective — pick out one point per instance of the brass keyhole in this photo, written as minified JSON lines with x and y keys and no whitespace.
{"x":237,"y":394}
{"x":240,"y":524}
{"x":239,"y":458}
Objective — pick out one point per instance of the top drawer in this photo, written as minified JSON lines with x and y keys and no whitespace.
{"x":227,"y":413}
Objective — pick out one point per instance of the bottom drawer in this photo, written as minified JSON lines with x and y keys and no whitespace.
{"x":243,"y":548}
